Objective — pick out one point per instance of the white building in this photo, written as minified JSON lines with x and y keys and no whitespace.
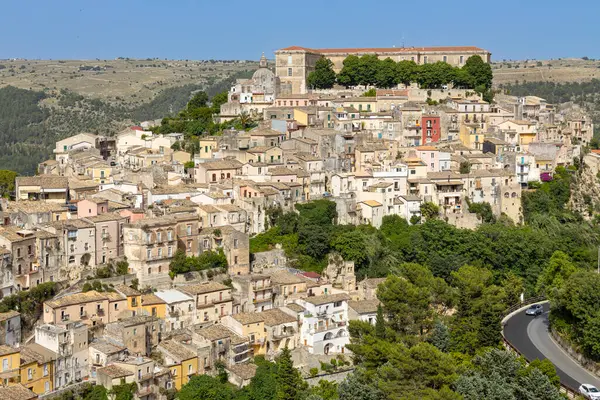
{"x":70,"y":344}
{"x":181,"y":309}
{"x":325,"y":323}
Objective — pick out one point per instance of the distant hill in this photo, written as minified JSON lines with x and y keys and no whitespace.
{"x":557,"y":71}
{"x":33,"y":115}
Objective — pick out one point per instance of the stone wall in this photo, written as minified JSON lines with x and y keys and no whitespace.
{"x":585,"y":362}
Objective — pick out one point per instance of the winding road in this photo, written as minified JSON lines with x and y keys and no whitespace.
{"x":531,"y":337}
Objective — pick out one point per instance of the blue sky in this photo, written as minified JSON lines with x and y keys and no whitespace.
{"x":235,"y":29}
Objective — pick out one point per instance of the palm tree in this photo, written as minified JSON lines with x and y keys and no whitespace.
{"x":245,"y":120}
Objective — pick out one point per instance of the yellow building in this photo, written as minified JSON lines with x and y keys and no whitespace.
{"x":154,"y":305}
{"x":181,"y":157}
{"x":250,"y":325}
{"x":471,"y":135}
{"x":181,"y":360}
{"x":207,"y":147}
{"x":37,"y":373}
{"x":134,"y":298}
{"x":11,"y":363}
{"x":100,"y":172}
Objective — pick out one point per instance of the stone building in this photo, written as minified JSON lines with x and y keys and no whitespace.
{"x":294,"y":64}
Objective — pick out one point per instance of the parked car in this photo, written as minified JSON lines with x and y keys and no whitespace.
{"x":536,"y":309}
{"x":589,"y":391}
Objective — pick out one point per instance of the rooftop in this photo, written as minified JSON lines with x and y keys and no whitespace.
{"x":366,"y":50}
{"x":177,"y":350}
{"x":76,"y":298}
{"x":114,"y":371}
{"x":44,"y":181}
{"x":249,"y":318}
{"x":244,"y":371}
{"x":326,"y":299}
{"x":364,"y":306}
{"x":172,"y":296}
{"x":201,"y":288}
{"x":17,"y":392}
{"x":275,"y":316}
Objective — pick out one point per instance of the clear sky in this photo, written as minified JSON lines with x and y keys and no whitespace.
{"x":243,"y":29}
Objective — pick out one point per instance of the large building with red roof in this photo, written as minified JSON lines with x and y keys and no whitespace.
{"x":293,"y":64}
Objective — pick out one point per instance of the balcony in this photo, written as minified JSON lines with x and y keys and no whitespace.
{"x":333,"y":325}
{"x":257,"y":300}
{"x":100,"y":311}
{"x":289,"y":332}
{"x":262,"y":287}
{"x":174,"y":314}
{"x":65,"y":317}
{"x":83,"y":315}
{"x":146,"y":377}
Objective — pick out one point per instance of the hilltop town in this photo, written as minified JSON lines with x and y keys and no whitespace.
{"x":149,"y":255}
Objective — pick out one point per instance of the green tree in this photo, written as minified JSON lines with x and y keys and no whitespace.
{"x":406,"y":72}
{"x":263,"y":385}
{"x":289,"y":381}
{"x":440,"y":336}
{"x":368,"y":67}
{"x":199,"y":100}
{"x":406,"y":305}
{"x":430,"y":210}
{"x":189,"y":165}
{"x":357,"y":386}
{"x":98,"y":392}
{"x":387,"y":74}
{"x":479,"y":71}
{"x":218,"y":100}
{"x":323,"y":77}
{"x":350,"y":72}
{"x":556,"y":272}
{"x":380,"y":323}
{"x":370,"y":93}
{"x":547,"y":368}
{"x":207,"y":388}
{"x":7,"y":182}
{"x":124,"y":391}
{"x":465,"y":167}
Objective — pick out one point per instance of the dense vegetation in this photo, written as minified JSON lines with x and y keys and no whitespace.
{"x":29,"y":302}
{"x":438,"y":331}
{"x":369,"y":70}
{"x":499,"y":245}
{"x":208,"y":260}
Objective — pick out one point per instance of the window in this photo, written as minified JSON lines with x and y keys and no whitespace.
{"x":188,"y":229}
{"x":149,"y":254}
{"x":19,"y":252}
{"x":158,"y":236}
{"x":29,"y":374}
{"x":148,"y":237}
{"x":289,"y":72}
{"x":159,"y":253}
{"x":235,"y":259}
{"x":46,"y":368}
{"x":425,"y":60}
{"x":4,"y":364}
{"x":289,"y":63}
{"x":445,"y":58}
{"x":169,"y":235}
{"x":235,"y":243}
{"x":205,"y":243}
{"x":170,"y":252}
{"x":461,"y":60}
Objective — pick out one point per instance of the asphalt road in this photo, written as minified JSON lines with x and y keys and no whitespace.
{"x":531,"y":337}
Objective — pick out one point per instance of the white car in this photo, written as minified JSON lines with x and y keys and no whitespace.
{"x":589,"y":391}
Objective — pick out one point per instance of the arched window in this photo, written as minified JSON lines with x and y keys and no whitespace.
{"x":507,"y":195}
{"x":149,"y":271}
{"x":513,"y":195}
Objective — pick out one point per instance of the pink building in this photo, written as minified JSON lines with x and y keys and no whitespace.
{"x":430,"y":156}
{"x":91,"y":207}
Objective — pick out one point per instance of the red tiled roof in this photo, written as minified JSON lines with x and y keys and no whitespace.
{"x":388,"y":49}
{"x":137,"y":128}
